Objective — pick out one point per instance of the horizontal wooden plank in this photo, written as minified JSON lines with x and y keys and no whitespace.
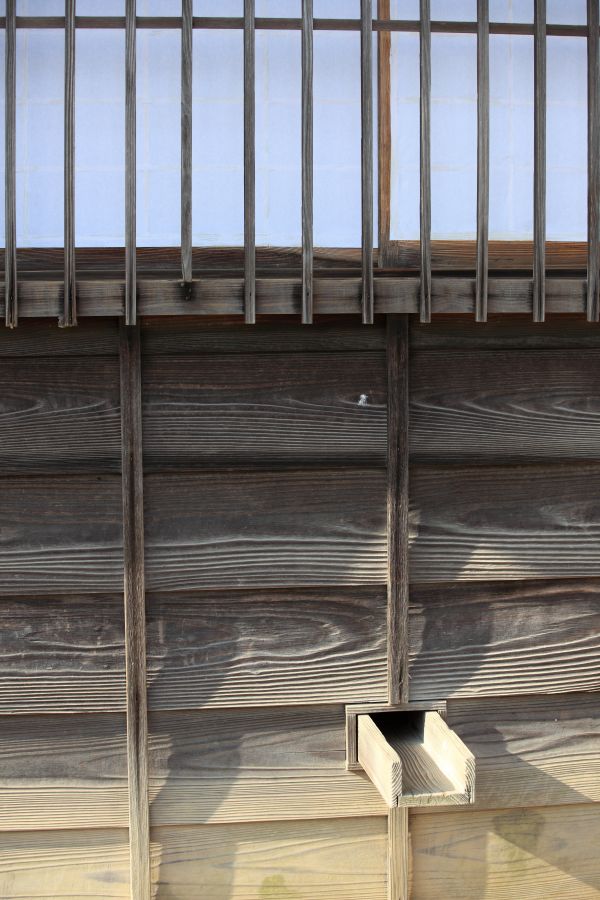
{"x":240,"y":648}
{"x":343,"y":859}
{"x":504,"y":638}
{"x":61,"y":535}
{"x":59,"y":415}
{"x":70,"y":771}
{"x":38,"y":865}
{"x":543,"y":853}
{"x":273,"y":529}
{"x":532,"y":751}
{"x":283,"y":296}
{"x":63,"y":771}
{"x":92,"y":337}
{"x":179,"y":336}
{"x":61,"y":654}
{"x":504,"y":333}
{"x":502,"y":406}
{"x":504,"y":522}
{"x":264,"y":408}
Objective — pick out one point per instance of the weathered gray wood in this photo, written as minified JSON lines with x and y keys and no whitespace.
{"x":397,"y":472}
{"x":92,"y":337}
{"x":505,"y":522}
{"x":500,"y":406}
{"x":59,"y":414}
{"x":265,"y":648}
{"x":135,"y":611}
{"x":497,"y":638}
{"x":10,"y":202}
{"x":249,"y":164}
{"x":264,"y":409}
{"x":337,"y":859}
{"x":225,"y":530}
{"x":593,"y":109}
{"x":366,"y":125}
{"x":307,"y":161}
{"x":483,"y":156}
{"x":69,"y":313}
{"x":130,"y":298}
{"x":539,"y":163}
{"x":425,"y":161}
{"x":187,"y":46}
{"x":532,"y":750}
{"x":61,"y":655}
{"x":500,"y":333}
{"x":61,"y":535}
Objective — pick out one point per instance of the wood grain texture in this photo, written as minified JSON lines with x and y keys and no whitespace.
{"x":40,"y":337}
{"x":398,"y":854}
{"x":130,"y":293}
{"x":502,"y":406}
{"x":539,"y":161}
{"x":266,"y":648}
{"x":69,"y":312}
{"x":483,"y":157}
{"x":532,"y":750}
{"x":271,"y":529}
{"x":177,"y":337}
{"x":59,"y":415}
{"x":86,"y":864}
{"x":501,"y":638}
{"x":254,"y":765}
{"x":61,"y":535}
{"x":539,"y":853}
{"x":384,"y":133}
{"x":343,"y":859}
{"x":366,"y":128}
{"x":307,"y":162}
{"x":504,"y":522}
{"x":60,"y":771}
{"x":187,"y":53}
{"x":264,"y":409}
{"x":249,"y":163}
{"x":10,"y":167}
{"x":61,"y":654}
{"x":500,"y":333}
{"x":425,"y":298}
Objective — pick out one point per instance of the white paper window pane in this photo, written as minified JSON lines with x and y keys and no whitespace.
{"x":511,"y":137}
{"x":219,"y":8}
{"x":100,"y":7}
{"x":511,"y":10}
{"x":404,"y":9}
{"x":39,"y":137}
{"x":158,"y":7}
{"x":453,"y":136}
{"x":2,"y":133}
{"x":566,"y":12}
{"x":218,"y":139}
{"x":404,"y":93}
{"x":336,"y":9}
{"x":337,"y":152}
{"x":40,"y":7}
{"x":100,"y":138}
{"x":280,"y":9}
{"x":454,"y":10}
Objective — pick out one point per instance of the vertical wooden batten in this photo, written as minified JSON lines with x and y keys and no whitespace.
{"x":397,"y":622}
{"x":539,"y":163}
{"x":130,"y":164}
{"x":307,"y":162}
{"x":366,"y":119}
{"x":425,"y":160}
{"x":483,"y":157}
{"x":249,"y":163}
{"x":135,"y":616}
{"x":593,"y":260}
{"x":69,"y":311}
{"x":384,"y":133}
{"x":10,"y":202}
{"x":187,"y":37}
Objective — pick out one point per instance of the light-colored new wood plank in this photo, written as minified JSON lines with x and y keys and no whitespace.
{"x":539,"y":853}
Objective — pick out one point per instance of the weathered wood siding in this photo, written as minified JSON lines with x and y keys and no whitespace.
{"x":265,"y":488}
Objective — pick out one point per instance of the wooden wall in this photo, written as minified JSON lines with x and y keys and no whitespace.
{"x":265,"y":454}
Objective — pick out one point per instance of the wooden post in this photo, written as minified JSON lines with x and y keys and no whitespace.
{"x":69,"y":311}
{"x":187,"y":38}
{"x":483,"y":157}
{"x":307,"y":161}
{"x":249,"y":164}
{"x":135,"y":617}
{"x":425,"y":206}
{"x":10,"y":202}
{"x":366,"y":120}
{"x":130,"y":164}
{"x":384,"y":133}
{"x":593,"y":287}
{"x":539,"y":163}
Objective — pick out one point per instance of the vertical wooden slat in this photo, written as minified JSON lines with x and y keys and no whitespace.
{"x":425,"y":162}
{"x":483,"y":157}
{"x":384,"y":133}
{"x":366,"y":82}
{"x":187,"y":37}
{"x":10,"y":194}
{"x":539,"y":163}
{"x":397,"y":620}
{"x":249,"y":164}
{"x":135,"y":624}
{"x":593,"y":260}
{"x":130,"y":164}
{"x":69,"y":311}
{"x":307,"y":161}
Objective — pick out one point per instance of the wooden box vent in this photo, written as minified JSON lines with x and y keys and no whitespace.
{"x":411,"y":755}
